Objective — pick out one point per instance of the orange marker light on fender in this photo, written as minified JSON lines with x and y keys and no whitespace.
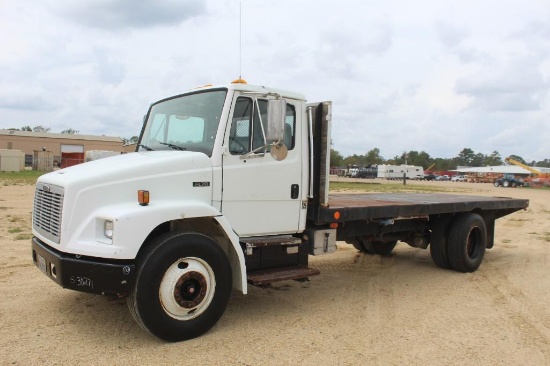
{"x":337,"y":215}
{"x":333,"y":225}
{"x":143,"y":197}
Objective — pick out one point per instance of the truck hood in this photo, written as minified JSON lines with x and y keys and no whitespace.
{"x":107,"y":189}
{"x":139,"y":165}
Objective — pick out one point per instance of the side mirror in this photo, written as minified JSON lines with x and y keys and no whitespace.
{"x":276,"y":113}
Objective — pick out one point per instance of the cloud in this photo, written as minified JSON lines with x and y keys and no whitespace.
{"x":125,"y":14}
{"x":450,"y":35}
{"x":515,"y":85}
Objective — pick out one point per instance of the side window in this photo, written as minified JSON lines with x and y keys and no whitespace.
{"x":239,"y":137}
{"x":249,"y":126}
{"x":289,"y":137}
{"x":260,"y":124}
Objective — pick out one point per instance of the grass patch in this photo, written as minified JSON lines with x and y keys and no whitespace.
{"x":546,"y":236}
{"x":25,"y":177}
{"x":518,"y":219}
{"x":506,"y":241}
{"x":2,"y":208}
{"x":15,"y":230}
{"x":14,"y":218}
{"x":23,"y":237}
{"x":389,"y":188}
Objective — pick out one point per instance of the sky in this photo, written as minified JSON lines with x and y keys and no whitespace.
{"x":427,"y":75}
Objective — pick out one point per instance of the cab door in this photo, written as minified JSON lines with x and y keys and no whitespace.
{"x":261,"y":196}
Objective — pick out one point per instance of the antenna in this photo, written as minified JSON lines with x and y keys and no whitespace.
{"x":240,"y":38}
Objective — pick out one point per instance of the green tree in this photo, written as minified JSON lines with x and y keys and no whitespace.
{"x":478,"y":160}
{"x":465,"y":157}
{"x":518,"y":158}
{"x":494,"y":159}
{"x":373,"y":157}
{"x":355,"y":159}
{"x":41,"y":129}
{"x":336,"y":159}
{"x":26,"y":128}
{"x":543,"y":163}
{"x":70,"y":131}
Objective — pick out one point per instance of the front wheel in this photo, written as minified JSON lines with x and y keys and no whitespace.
{"x":182,"y":286}
{"x":496,"y":184}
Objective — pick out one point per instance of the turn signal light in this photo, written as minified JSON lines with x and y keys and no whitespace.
{"x":333,"y":225}
{"x":337,"y":215}
{"x":143,"y":197}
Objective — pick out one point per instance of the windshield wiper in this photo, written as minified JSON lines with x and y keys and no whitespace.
{"x":145,"y":147}
{"x":175,"y":147}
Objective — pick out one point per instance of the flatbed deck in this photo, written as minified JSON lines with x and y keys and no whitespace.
{"x":396,"y":205}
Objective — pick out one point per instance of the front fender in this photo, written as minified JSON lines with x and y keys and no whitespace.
{"x":132,"y":224}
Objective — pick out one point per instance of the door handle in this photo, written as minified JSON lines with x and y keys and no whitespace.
{"x":294,"y":191}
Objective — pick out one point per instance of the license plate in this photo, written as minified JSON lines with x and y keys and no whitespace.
{"x":42,"y":264}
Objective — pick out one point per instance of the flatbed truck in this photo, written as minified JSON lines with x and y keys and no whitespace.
{"x":229,"y":188}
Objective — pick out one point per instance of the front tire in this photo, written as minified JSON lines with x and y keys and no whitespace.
{"x":182,"y":287}
{"x":467,"y":242}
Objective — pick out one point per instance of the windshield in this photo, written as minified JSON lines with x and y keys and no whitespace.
{"x":187,"y":123}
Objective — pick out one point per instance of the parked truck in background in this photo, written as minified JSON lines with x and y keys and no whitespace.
{"x":229,"y":187}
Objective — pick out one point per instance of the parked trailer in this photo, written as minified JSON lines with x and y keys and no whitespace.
{"x":217,"y":198}
{"x":396,"y":172}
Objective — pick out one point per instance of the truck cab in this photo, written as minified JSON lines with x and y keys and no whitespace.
{"x":229,"y":164}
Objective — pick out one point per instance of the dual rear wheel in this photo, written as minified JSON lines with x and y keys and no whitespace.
{"x":459,"y":242}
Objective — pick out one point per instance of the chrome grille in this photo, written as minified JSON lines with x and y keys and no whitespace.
{"x":47,"y":211}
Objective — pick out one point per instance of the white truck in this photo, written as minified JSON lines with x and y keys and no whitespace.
{"x":229,"y":188}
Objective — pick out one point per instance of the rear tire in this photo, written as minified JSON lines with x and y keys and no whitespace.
{"x":363,"y":245}
{"x":439,"y":242}
{"x":467,"y":242}
{"x":182,"y":287}
{"x":383,"y":248}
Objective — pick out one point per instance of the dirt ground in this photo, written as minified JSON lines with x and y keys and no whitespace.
{"x":396,"y":310}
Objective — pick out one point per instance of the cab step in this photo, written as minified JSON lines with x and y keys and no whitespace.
{"x":265,"y":277}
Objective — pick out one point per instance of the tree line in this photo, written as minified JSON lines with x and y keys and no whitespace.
{"x":466,"y":157}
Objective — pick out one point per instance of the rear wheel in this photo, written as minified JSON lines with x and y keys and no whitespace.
{"x":363,"y":245}
{"x":467,"y":242}
{"x":182,"y":287}
{"x":439,"y":242}
{"x":383,"y":248}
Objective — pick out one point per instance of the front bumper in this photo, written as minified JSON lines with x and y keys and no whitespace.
{"x":85,"y":274}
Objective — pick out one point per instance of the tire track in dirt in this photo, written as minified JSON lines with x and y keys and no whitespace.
{"x":516,"y":307}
